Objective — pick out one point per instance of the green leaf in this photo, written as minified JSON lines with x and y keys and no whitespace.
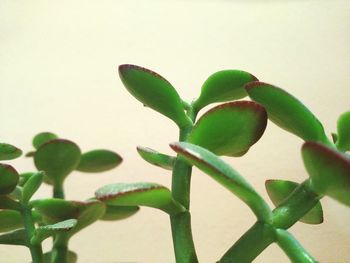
{"x":143,"y":194}
{"x":31,"y":186}
{"x":224,"y":175}
{"x":98,"y":161}
{"x":10,"y":220}
{"x":72,"y":257}
{"x":223,"y":86}
{"x":279,"y":190}
{"x":16,"y":237}
{"x":8,"y":179}
{"x":287,"y":111}
{"x":43,"y":232}
{"x":119,"y":212}
{"x":329,"y":171}
{"x":57,"y":158}
{"x":9,"y":152}
{"x":155,"y":92}
{"x":24,"y":177}
{"x":231,"y":128}
{"x":6,"y":202}
{"x":343,"y":127}
{"x":156,"y":158}
{"x":42,"y":138}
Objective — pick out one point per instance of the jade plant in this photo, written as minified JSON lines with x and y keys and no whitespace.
{"x":27,"y":221}
{"x":230,"y":129}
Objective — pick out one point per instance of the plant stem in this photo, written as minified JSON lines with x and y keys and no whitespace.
{"x":292,"y":248}
{"x":59,"y":252}
{"x":181,"y":223}
{"x":35,"y":250}
{"x":58,"y":191}
{"x":251,"y":244}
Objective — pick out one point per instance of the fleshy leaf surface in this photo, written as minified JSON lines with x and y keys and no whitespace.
{"x":156,"y":158}
{"x":143,"y":194}
{"x":231,"y":128}
{"x":224,"y":85}
{"x":16,"y":237}
{"x":42,"y":138}
{"x":343,"y":127}
{"x":154,"y":91}
{"x":31,"y":186}
{"x":119,"y":212}
{"x":8,"y":178}
{"x":6,"y":202}
{"x":329,"y":171}
{"x":57,"y":158}
{"x":10,"y":220}
{"x":98,"y":161}
{"x":279,"y":190}
{"x":287,"y":112}
{"x":225,"y":175}
{"x":9,"y":152}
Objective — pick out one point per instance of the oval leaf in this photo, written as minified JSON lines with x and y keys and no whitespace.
{"x":279,"y":190}
{"x":119,"y":212}
{"x":329,"y":171}
{"x":223,"y":86}
{"x":10,"y":220}
{"x":143,"y":194}
{"x":31,"y":186}
{"x":6,"y":202}
{"x":155,"y":92}
{"x":343,"y":127}
{"x":57,"y":158}
{"x":42,"y":138}
{"x":156,"y":158}
{"x":8,"y":179}
{"x":224,"y":175}
{"x":287,"y":111}
{"x":231,"y":128}
{"x":16,"y":237}
{"x":98,"y":161}
{"x":9,"y":152}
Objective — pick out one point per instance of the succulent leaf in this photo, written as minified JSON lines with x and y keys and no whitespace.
{"x":231,"y":128}
{"x":119,"y":212}
{"x":343,"y":127}
{"x":9,"y":152}
{"x":31,"y":186}
{"x":154,"y":91}
{"x":8,"y":179}
{"x":223,"y":86}
{"x":98,"y":161}
{"x":42,"y":138}
{"x":16,"y":237}
{"x":287,"y":111}
{"x":156,"y":158}
{"x":10,"y":220}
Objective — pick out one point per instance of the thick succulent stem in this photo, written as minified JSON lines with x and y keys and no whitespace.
{"x":181,"y":223}
{"x":35,"y":250}
{"x":59,"y":253}
{"x":58,"y":191}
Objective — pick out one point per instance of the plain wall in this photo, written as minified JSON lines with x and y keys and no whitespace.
{"x":58,"y":72}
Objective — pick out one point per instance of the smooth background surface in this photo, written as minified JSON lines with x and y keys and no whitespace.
{"x":58,"y":72}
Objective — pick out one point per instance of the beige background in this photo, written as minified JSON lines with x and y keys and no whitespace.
{"x":58,"y":72}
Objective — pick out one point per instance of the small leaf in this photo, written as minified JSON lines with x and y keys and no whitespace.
{"x":224,"y":175}
{"x":43,"y":232}
{"x":23,"y":178}
{"x":343,"y":127}
{"x":31,"y":186}
{"x":9,"y":152}
{"x":8,"y":179}
{"x":279,"y":190}
{"x":231,"y":128}
{"x":143,"y":194}
{"x":57,"y":158}
{"x":7,"y":202}
{"x":156,"y":158}
{"x":119,"y":212}
{"x":17,"y":237}
{"x":329,"y":171}
{"x":155,"y":92}
{"x":42,"y":138}
{"x":10,"y":220}
{"x":287,"y":112}
{"x":223,"y":86}
{"x":98,"y":161}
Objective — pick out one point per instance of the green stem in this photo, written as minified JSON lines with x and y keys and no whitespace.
{"x":251,"y":244}
{"x":35,"y":250}
{"x":292,"y":248}
{"x":59,"y":252}
{"x":58,"y":191}
{"x":181,"y":223}
{"x":302,"y":200}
